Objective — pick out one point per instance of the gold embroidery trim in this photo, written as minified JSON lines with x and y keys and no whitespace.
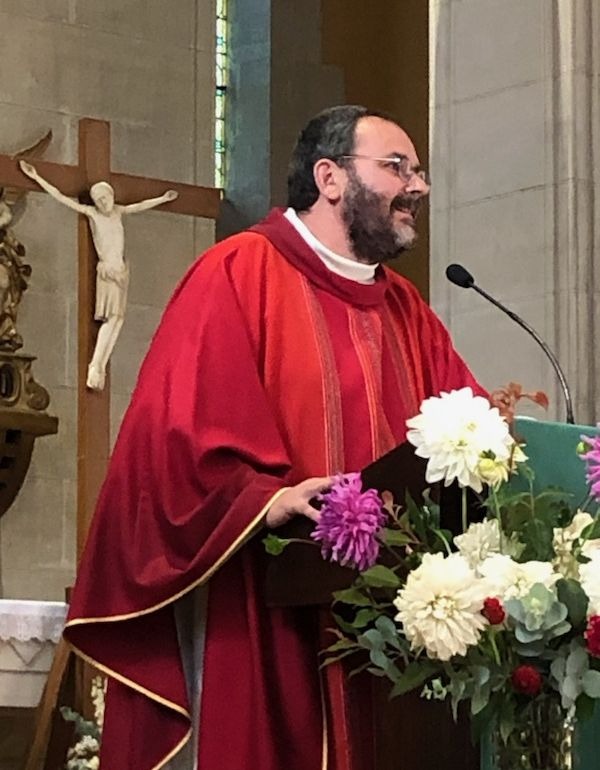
{"x":202,"y":579}
{"x":325,"y":746}
{"x":114,"y":618}
{"x":330,"y":384}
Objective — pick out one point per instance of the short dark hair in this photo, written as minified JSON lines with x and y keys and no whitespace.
{"x":330,"y":134}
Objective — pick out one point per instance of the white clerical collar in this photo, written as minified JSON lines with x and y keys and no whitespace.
{"x":344,"y":266}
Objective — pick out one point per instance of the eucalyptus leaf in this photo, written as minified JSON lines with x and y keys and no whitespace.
{"x":386,"y":664}
{"x":480,"y":699}
{"x":414,"y":675}
{"x":371,"y":640}
{"x":379,"y":658}
{"x":577,"y":662}
{"x":389,"y":631}
{"x":591,"y":683}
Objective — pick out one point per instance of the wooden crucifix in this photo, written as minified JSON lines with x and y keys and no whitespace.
{"x":93,"y":407}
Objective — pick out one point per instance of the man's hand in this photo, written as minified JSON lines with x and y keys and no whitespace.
{"x":170,"y":195}
{"x":295,"y":500}
{"x":28,"y":169}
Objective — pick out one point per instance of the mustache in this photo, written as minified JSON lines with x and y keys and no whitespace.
{"x":406,"y":203}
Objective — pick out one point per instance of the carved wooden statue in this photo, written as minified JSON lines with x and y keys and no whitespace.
{"x":23,"y":401}
{"x":106,"y":224}
{"x":14,"y":272}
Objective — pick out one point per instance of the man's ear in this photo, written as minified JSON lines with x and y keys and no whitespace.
{"x":329,"y":178}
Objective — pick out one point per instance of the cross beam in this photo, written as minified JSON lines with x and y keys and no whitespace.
{"x":72,"y":180}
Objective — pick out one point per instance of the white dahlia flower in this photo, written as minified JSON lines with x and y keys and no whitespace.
{"x":566,"y":561}
{"x":507,"y":579}
{"x":589,"y":576}
{"x":440,"y":606}
{"x":479,"y":541}
{"x":455,"y":432}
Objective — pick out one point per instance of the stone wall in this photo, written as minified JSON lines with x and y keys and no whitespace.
{"x":148,"y":68}
{"x":514,"y":140}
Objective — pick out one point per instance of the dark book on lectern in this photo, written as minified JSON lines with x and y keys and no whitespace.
{"x":300,"y":576}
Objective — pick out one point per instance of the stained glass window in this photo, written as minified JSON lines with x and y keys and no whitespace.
{"x":221,"y":65}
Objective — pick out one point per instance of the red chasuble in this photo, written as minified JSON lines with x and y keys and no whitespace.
{"x":266,"y":369}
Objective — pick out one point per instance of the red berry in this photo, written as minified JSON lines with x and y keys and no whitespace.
{"x":493,"y":611}
{"x":526,"y":680}
{"x":592,"y":636}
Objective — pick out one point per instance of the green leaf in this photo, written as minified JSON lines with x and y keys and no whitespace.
{"x":352,"y":596}
{"x":389,"y":631}
{"x":341,"y":644}
{"x":275,"y":545}
{"x":482,"y":720}
{"x":82,"y":726}
{"x":395,"y":538}
{"x":386,"y":664}
{"x":433,"y":507}
{"x":364,"y":617}
{"x":346,"y":627}
{"x":376,"y":671}
{"x":538,"y":536}
{"x":414,"y":675}
{"x":592,"y":531}
{"x":337,"y":656}
{"x":591,"y":683}
{"x":444,"y":537}
{"x":381,"y":577}
{"x":371,"y":640}
{"x":480,"y":699}
{"x":507,"y":720}
{"x":379,"y":658}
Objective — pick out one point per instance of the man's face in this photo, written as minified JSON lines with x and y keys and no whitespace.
{"x":379,"y":203}
{"x":104,"y":200}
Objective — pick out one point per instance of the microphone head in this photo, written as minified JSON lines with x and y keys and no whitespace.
{"x":460,"y":276}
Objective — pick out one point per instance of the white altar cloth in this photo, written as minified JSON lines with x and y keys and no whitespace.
{"x":29,"y":632}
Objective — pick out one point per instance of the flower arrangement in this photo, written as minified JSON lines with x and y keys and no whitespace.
{"x":504,"y":616}
{"x":84,"y":754}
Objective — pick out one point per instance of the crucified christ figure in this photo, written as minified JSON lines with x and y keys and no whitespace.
{"x":112,"y":271}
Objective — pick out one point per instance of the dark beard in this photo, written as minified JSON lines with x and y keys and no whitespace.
{"x":370,"y":224}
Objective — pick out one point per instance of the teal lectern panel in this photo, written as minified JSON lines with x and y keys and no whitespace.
{"x":552,"y":451}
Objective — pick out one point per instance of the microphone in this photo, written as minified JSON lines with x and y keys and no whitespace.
{"x":460,"y":276}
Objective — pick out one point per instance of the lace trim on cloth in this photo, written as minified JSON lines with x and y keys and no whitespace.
{"x":24,"y":620}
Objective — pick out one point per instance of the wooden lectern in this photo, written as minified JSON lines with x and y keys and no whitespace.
{"x":367,"y":731}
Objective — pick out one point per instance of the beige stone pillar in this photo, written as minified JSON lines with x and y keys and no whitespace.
{"x":514,"y":148}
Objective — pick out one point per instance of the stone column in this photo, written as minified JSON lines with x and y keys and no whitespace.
{"x":576,"y":121}
{"x":514,"y":137}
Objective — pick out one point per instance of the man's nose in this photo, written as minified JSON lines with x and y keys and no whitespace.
{"x":418,"y":186}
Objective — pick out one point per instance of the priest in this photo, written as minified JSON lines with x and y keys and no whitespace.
{"x":288,"y":353}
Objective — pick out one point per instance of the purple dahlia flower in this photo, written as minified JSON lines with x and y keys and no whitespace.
{"x":350,"y":522}
{"x":592,"y":464}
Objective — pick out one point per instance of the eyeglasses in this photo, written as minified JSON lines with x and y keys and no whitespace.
{"x":399,"y":164}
